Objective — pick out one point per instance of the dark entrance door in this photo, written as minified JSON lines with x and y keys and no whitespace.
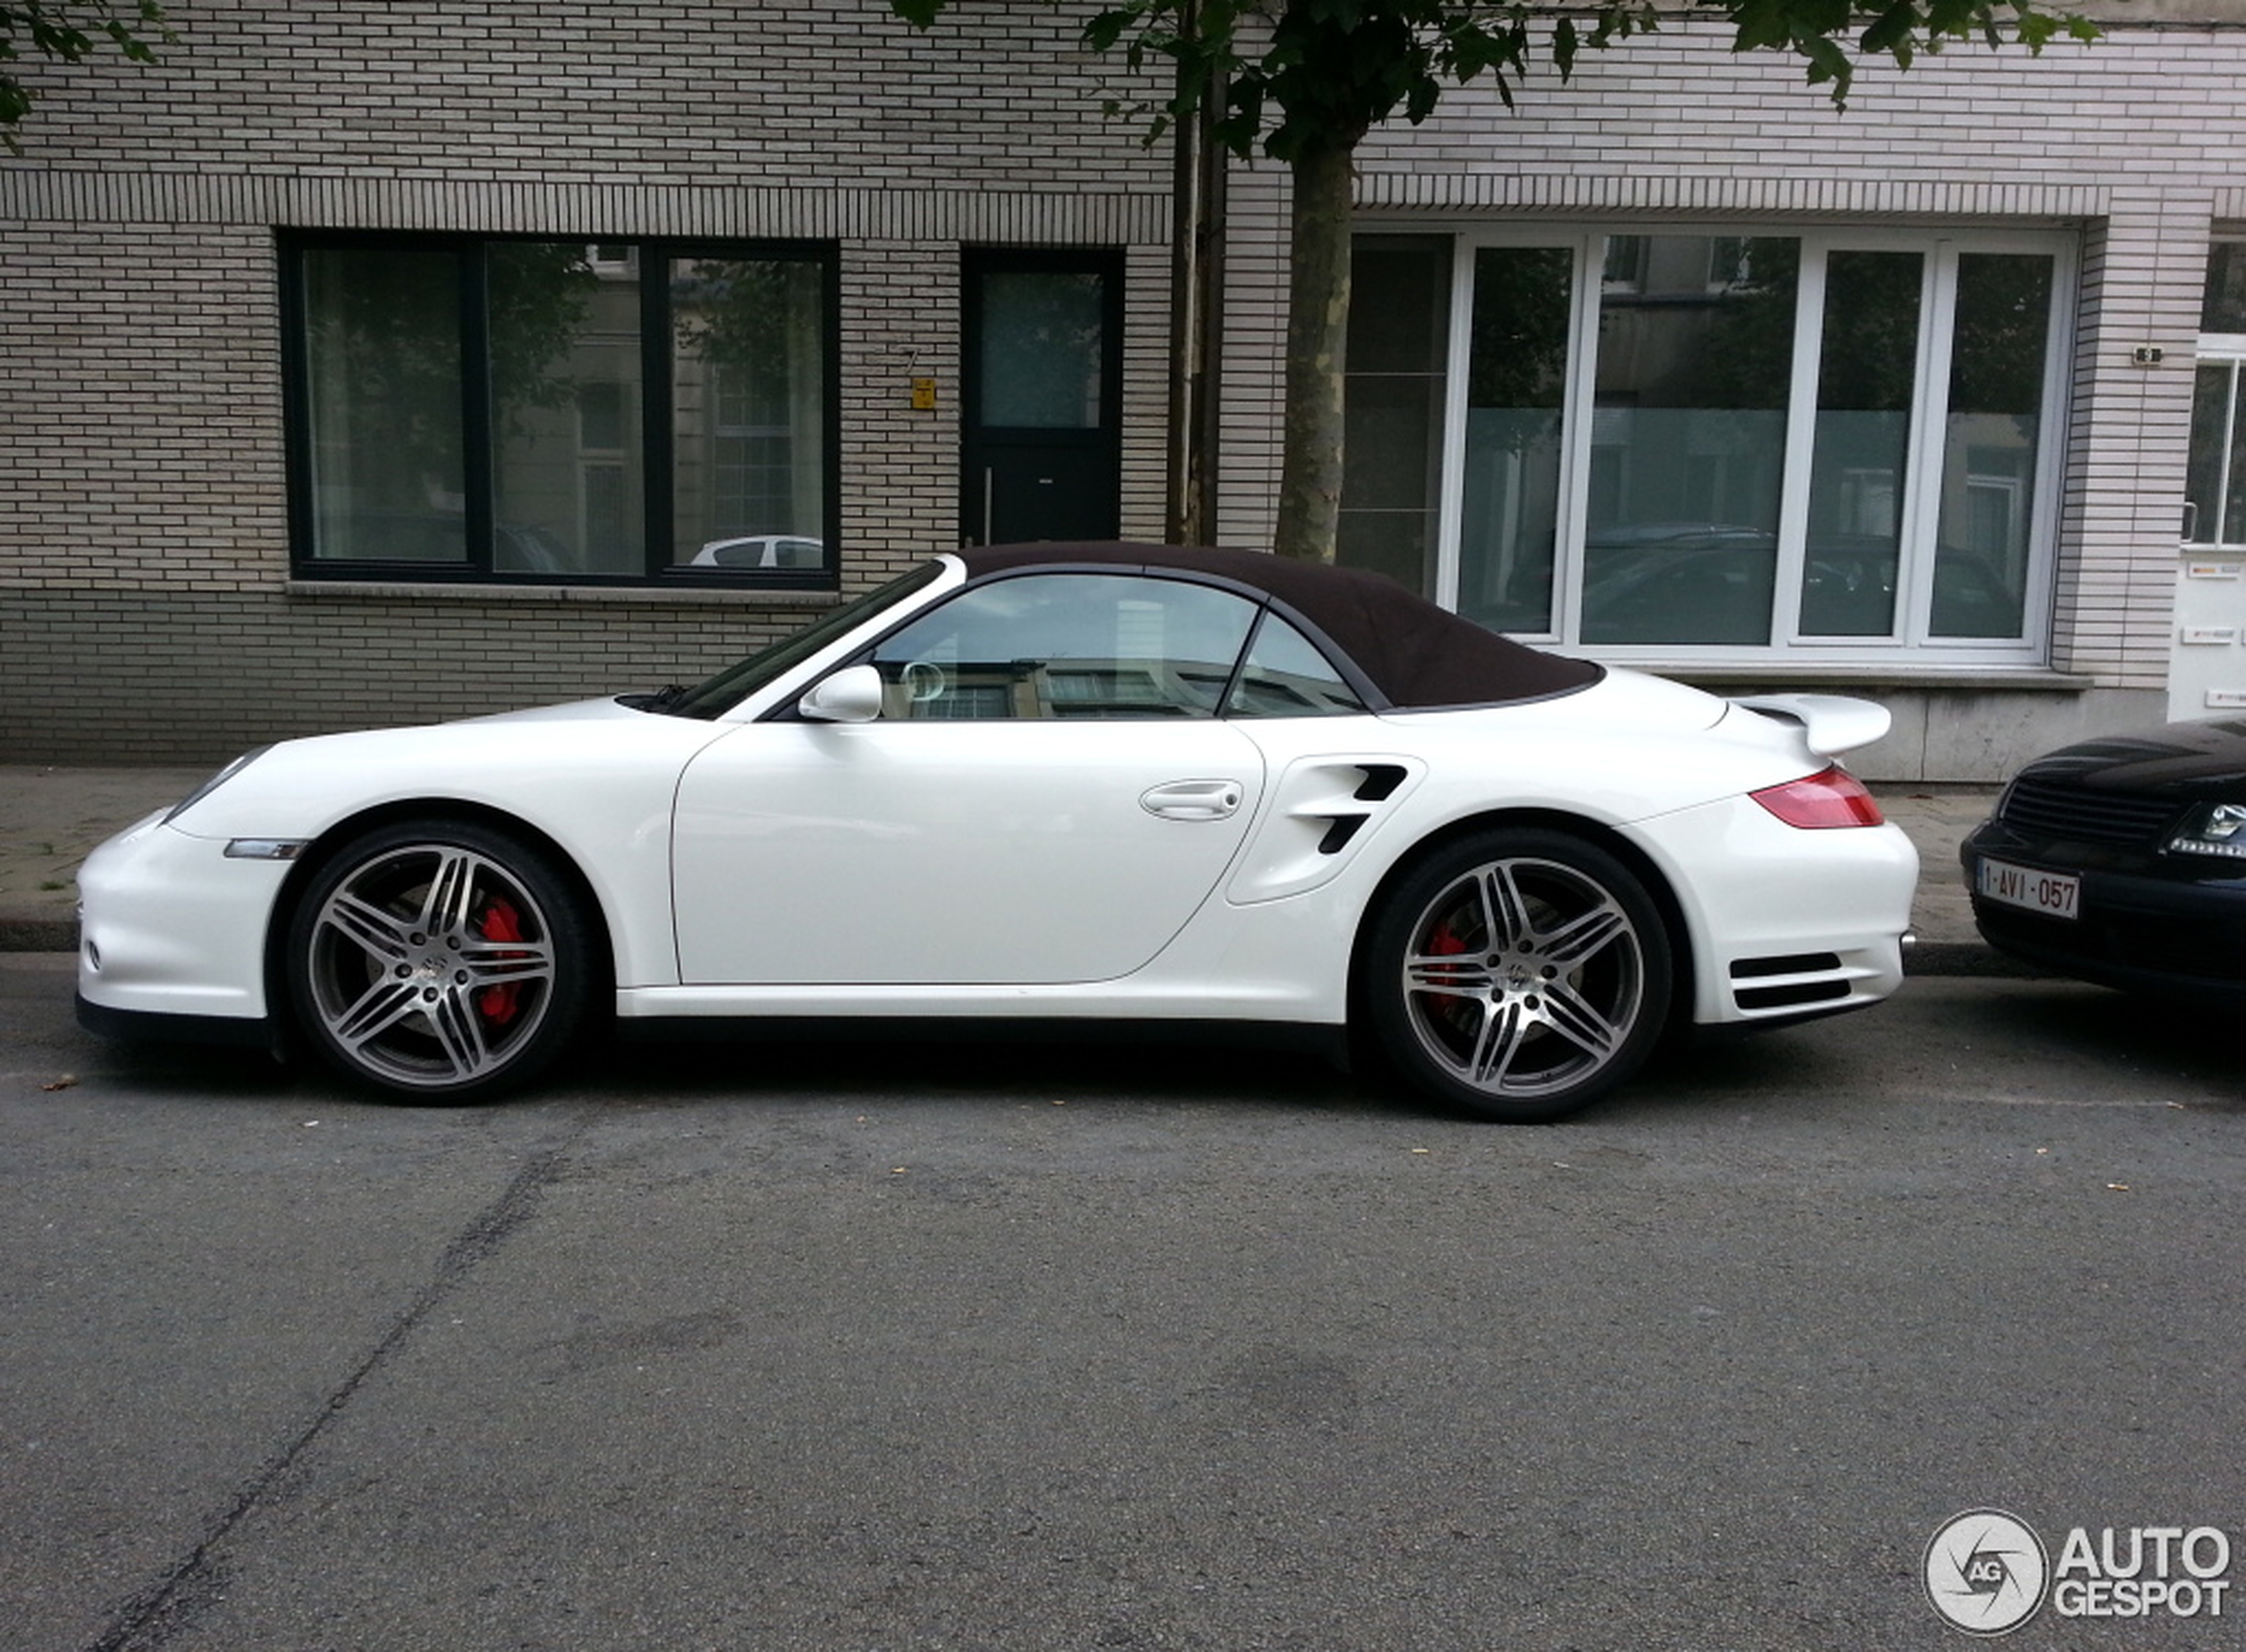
{"x":1042,"y":449}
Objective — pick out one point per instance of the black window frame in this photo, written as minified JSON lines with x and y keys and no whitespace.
{"x":656,"y":452}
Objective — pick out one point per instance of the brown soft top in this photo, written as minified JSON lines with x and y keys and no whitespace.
{"x":1416,"y":656}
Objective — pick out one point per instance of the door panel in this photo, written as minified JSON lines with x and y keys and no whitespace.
{"x":1031,"y":489}
{"x":935,"y":853}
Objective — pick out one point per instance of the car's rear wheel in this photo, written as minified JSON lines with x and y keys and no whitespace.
{"x":438,"y":961}
{"x":1520,"y":974}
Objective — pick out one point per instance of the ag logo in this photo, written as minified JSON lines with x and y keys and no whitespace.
{"x":1985,"y":1571}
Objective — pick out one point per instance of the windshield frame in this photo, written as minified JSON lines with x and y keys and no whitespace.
{"x":714,"y":696}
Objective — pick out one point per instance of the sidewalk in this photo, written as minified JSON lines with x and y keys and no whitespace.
{"x":51,"y":817}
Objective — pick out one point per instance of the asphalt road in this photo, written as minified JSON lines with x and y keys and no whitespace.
{"x":961,"y":1348}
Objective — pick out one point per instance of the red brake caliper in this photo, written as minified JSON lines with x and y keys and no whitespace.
{"x":499,"y":1004}
{"x":1444,"y":943}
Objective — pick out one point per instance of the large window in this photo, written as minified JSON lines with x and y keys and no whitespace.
{"x":537,"y":412}
{"x":1698,"y":446}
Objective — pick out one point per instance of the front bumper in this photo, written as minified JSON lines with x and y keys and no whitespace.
{"x":2154,"y":927}
{"x":173,"y":933}
{"x":161,"y":1026}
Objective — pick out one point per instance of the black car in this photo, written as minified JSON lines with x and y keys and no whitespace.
{"x":2123,"y":861}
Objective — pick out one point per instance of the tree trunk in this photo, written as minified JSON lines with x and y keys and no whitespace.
{"x":1318,"y":315}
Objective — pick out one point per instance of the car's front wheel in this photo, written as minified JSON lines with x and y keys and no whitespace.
{"x":1520,"y":973}
{"x":438,"y":961}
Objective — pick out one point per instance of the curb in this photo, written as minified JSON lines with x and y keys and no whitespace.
{"x":1969,"y":960}
{"x":38,"y":935}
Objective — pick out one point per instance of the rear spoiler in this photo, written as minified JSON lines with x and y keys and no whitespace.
{"x":1832,"y":723}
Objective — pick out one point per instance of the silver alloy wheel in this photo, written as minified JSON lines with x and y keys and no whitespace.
{"x":430,"y":966}
{"x":1524,"y":978}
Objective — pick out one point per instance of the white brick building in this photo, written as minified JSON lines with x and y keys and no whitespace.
{"x":370,"y":363}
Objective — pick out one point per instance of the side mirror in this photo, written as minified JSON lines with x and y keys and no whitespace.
{"x":852,"y":694}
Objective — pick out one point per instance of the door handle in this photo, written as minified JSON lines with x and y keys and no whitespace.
{"x":1195,"y":799}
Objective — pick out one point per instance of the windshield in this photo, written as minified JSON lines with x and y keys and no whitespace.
{"x":721,"y":693}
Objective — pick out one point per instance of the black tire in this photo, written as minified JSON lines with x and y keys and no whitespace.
{"x":1520,"y":973}
{"x":438,"y":961}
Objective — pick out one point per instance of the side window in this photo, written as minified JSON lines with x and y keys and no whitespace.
{"x":1285,"y":676}
{"x":1067,"y":645}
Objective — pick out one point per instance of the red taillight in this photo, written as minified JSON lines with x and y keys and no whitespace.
{"x":1835,"y":797}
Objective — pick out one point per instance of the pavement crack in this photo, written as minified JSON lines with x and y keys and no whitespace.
{"x":149,"y":1620}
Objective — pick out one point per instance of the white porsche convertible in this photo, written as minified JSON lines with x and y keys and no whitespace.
{"x":1051,"y":784}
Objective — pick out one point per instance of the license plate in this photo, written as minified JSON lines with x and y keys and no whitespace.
{"x":2054,"y":894}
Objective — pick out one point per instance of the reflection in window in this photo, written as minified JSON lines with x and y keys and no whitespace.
{"x":1991,"y":444}
{"x":1067,"y":646}
{"x":1516,"y":378}
{"x":2224,"y":307}
{"x":385,"y":445}
{"x":1688,"y":442}
{"x":565,"y":398}
{"x":748,"y":416}
{"x":608,"y":475}
{"x":2215,"y":480}
{"x":1624,"y":268}
{"x":1866,"y":379}
{"x":1392,"y":414}
{"x":1284,"y":677}
{"x":2215,"y":484}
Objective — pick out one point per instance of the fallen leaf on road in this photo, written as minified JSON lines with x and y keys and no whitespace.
{"x":64,"y":1082}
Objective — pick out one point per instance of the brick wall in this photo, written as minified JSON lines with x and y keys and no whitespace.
{"x":633,"y":93}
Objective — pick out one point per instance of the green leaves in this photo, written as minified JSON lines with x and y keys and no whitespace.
{"x":65,"y":31}
{"x":1306,"y":75}
{"x":1899,"y":30}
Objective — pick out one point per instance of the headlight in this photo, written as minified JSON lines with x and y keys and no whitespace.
{"x":2212,"y":829}
{"x":214,"y":783}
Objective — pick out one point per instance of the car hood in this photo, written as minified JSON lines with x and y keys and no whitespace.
{"x":568,"y":711}
{"x":2180,"y":759}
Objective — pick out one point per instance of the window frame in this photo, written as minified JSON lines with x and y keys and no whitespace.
{"x":655,"y":449}
{"x":1909,"y":642}
{"x":2228,"y":350}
